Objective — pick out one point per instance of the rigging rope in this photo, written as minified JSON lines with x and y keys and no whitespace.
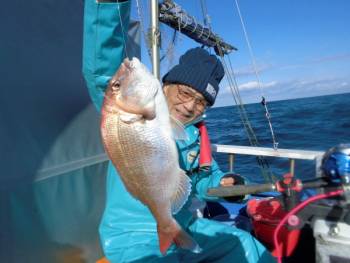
{"x":122,"y":26}
{"x":230,"y":76}
{"x":206,"y":17}
{"x":176,"y":17}
{"x":263,"y":164}
{"x":263,"y":102}
{"x":168,"y":53}
{"x":145,"y":37}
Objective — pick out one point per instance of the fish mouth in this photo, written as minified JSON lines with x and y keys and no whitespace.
{"x":129,"y":64}
{"x":122,"y":73}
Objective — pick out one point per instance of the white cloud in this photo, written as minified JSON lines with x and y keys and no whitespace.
{"x":316,"y":60}
{"x":251,"y":85}
{"x":248,"y":70}
{"x":293,"y":88}
{"x":334,"y":57}
{"x":254,"y":84}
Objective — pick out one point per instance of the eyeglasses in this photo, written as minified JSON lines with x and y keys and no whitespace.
{"x":185,"y":95}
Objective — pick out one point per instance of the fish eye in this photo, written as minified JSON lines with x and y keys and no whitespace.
{"x":117,"y":83}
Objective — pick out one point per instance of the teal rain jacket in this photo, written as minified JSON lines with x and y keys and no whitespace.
{"x":128,"y":230}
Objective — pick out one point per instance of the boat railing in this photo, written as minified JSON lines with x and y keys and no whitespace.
{"x":291,"y":154}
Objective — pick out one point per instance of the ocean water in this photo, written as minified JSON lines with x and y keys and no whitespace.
{"x":316,"y":123}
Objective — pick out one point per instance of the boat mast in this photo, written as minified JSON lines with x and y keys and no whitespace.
{"x":155,"y":38}
{"x":171,"y":14}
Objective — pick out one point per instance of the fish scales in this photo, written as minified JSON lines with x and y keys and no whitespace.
{"x":134,"y":149}
{"x":138,"y":138}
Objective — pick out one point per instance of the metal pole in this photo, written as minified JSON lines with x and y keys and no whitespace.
{"x":292,"y":164}
{"x":155,"y":34}
{"x":231,"y":159}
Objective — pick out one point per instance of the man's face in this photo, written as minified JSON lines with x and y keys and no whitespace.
{"x":185,"y":103}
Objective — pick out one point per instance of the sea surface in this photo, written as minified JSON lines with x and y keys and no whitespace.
{"x":316,"y":123}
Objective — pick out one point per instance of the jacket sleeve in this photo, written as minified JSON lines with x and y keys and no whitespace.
{"x":208,"y":179}
{"x":105,"y":34}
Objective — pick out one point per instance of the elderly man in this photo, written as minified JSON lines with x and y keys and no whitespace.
{"x":128,"y":230}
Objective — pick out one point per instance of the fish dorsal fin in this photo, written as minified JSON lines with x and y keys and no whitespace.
{"x":178,"y":129}
{"x":183,"y":192}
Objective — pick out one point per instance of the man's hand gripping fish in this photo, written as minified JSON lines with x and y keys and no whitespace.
{"x":138,"y":135}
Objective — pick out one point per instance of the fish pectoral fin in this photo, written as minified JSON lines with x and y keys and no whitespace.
{"x":178,"y":129}
{"x":183,"y":192}
{"x":149,"y":111}
{"x":130,"y":118}
{"x":174,"y":234}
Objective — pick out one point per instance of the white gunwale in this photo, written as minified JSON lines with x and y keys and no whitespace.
{"x":262,"y":151}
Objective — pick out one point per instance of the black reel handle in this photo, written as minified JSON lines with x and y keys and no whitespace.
{"x":238,"y":190}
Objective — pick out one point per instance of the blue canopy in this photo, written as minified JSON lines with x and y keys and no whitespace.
{"x":52,"y":184}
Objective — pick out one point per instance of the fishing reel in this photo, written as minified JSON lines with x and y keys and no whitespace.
{"x":336,"y":164}
{"x":335,"y":167}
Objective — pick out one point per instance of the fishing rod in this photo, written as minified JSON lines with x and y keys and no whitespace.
{"x":288,"y":187}
{"x":335,"y":170}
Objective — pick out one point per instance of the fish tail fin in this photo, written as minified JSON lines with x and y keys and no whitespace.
{"x":173,"y":233}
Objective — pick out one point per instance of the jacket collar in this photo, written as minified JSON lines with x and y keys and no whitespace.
{"x":195,"y":121}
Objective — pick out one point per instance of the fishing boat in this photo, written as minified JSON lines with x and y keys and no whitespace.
{"x":50,"y":199}
{"x":284,"y":220}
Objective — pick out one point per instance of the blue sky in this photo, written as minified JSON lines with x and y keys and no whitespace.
{"x":301,"y":48}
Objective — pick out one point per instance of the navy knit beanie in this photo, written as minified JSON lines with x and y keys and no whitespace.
{"x":199,"y":70}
